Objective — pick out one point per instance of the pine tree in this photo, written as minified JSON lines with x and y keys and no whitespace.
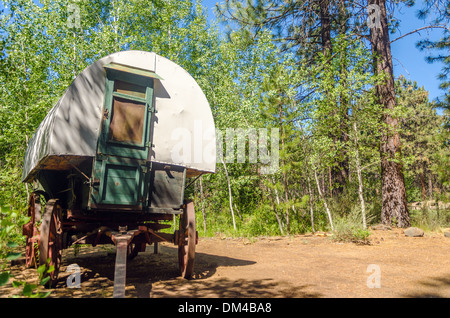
{"x":441,"y":12}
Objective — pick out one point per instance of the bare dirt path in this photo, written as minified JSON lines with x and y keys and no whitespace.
{"x":298,"y":266}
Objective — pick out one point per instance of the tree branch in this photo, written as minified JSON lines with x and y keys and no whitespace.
{"x":419,"y":29}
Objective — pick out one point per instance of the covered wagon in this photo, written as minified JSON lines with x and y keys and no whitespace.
{"x":111,"y":159}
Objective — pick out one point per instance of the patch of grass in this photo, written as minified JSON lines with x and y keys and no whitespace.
{"x":430,"y":219}
{"x":349,"y":228}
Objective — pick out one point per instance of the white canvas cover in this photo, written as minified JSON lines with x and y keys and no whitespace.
{"x":184,"y":132}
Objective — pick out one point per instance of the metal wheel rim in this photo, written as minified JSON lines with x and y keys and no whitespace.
{"x":50,"y":245}
{"x":186,"y":252}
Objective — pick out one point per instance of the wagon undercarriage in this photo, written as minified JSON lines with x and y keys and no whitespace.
{"x":49,"y":232}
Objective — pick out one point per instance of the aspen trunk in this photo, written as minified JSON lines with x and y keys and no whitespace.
{"x":360,"y":182}
{"x":230,"y":196}
{"x":323,"y":200}
{"x":280,"y":223}
{"x":311,"y":205}
{"x":203,"y":204}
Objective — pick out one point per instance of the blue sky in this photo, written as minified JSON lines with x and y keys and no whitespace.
{"x":408,"y":60}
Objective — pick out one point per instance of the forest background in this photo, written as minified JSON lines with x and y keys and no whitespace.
{"x":310,"y":69}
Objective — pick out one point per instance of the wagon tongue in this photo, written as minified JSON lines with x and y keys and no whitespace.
{"x":121,"y":240}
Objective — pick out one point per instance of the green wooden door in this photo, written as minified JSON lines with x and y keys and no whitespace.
{"x":121,"y":167}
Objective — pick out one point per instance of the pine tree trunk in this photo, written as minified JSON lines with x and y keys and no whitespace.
{"x":325,"y":26}
{"x":430,"y":185}
{"x":288,"y":223}
{"x":341,"y":170}
{"x":422,"y":185}
{"x":394,"y":204}
{"x":422,"y":180}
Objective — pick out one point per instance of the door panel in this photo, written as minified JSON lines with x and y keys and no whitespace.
{"x":126,"y":123}
{"x":121,"y":170}
{"x":122,"y":184}
{"x":118,"y":182}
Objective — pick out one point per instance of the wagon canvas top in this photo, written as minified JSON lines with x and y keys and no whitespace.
{"x":182,"y":133}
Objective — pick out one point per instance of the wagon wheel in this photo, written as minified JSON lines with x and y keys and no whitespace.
{"x":30,"y":230}
{"x":50,"y":245}
{"x":187,"y":240}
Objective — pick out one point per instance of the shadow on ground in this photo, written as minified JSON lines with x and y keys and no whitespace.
{"x":438,"y":284}
{"x":156,"y":275}
{"x":226,"y":288}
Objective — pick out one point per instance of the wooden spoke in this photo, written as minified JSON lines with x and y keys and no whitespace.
{"x":31,"y":231}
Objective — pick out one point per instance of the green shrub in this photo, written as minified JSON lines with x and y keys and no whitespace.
{"x":349,"y":228}
{"x":430,"y":219}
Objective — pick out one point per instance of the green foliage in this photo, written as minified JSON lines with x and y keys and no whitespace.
{"x":440,"y":12}
{"x":423,"y":140}
{"x":35,"y":290}
{"x":259,"y":76}
{"x":348,"y":228}
{"x":10,"y":238}
{"x":4,"y":278}
{"x":279,"y":203}
{"x":431,"y":219}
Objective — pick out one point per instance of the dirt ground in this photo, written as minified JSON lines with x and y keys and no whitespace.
{"x":393,"y":265}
